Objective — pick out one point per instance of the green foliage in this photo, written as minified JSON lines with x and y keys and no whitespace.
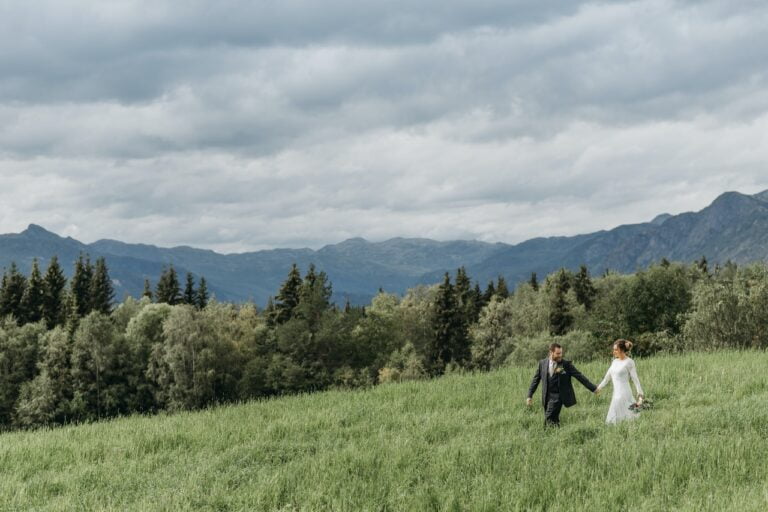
{"x":560,"y":317}
{"x":585,"y":290}
{"x":12,"y":291}
{"x":19,"y":348}
{"x":54,"y":295}
{"x":168,"y":290}
{"x":102,"y":292}
{"x":80,"y":287}
{"x":288,"y":297}
{"x":45,"y":400}
{"x":34,"y":295}
{"x":450,"y":342}
{"x":577,"y":346}
{"x":99,"y":369}
{"x":732,"y":312}
{"x":493,"y":335}
{"x":145,"y":357}
{"x":202,"y":293}
{"x":189,"y":296}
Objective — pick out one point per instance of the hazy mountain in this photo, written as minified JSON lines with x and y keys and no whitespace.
{"x":734,"y":226}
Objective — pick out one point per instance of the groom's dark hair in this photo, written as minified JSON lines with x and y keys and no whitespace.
{"x":553,"y":346}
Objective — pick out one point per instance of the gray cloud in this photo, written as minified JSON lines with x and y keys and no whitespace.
{"x":241,"y":125}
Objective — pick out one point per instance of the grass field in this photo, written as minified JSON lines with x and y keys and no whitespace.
{"x":463,"y":442}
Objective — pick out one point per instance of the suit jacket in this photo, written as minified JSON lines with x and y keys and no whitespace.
{"x":567,"y":396}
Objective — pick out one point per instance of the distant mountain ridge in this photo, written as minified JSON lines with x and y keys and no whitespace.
{"x":734,"y":227}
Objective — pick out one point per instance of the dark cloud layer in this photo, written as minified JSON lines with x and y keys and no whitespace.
{"x":240,"y":125}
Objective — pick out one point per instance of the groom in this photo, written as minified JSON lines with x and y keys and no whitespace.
{"x":557,"y":391}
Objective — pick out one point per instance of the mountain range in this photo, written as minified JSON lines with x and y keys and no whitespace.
{"x":734,"y":227}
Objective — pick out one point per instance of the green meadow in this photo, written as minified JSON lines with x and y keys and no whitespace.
{"x":461,"y":442}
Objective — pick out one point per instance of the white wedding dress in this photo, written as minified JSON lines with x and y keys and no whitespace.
{"x":619,"y":373}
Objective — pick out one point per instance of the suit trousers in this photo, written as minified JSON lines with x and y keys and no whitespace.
{"x":552,"y":410}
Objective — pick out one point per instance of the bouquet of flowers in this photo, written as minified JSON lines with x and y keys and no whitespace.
{"x":642,"y":404}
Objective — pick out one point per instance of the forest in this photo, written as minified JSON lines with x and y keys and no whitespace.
{"x":70,"y":353}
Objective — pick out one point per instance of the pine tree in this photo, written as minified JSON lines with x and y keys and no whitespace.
{"x":501,"y":288}
{"x":314,"y":298}
{"x":490,"y":291}
{"x":80,"y":285}
{"x":585,"y":290}
{"x":102,"y":293}
{"x":270,"y":312}
{"x":534,"y":282}
{"x":288,"y":296}
{"x":34,"y":294}
{"x":190,"y":295}
{"x":14,"y":285}
{"x":466,"y":298}
{"x":202,"y":293}
{"x":168,"y":290}
{"x":560,"y":319}
{"x":147,"y":290}
{"x":54,"y":294}
{"x":703,"y":265}
{"x":479,"y":300}
{"x":447,"y":344}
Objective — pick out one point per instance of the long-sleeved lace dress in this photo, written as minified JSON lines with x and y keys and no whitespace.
{"x":620,"y":371}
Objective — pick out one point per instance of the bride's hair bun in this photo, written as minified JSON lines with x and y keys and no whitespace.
{"x":624,"y":345}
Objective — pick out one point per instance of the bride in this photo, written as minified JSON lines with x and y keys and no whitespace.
{"x":622,"y":368}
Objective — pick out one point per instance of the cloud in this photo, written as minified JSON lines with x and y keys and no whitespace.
{"x":241,"y":125}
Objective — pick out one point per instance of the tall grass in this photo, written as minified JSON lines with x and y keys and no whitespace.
{"x":463,"y":442}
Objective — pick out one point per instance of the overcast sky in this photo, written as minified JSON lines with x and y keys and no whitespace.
{"x":244,"y":125}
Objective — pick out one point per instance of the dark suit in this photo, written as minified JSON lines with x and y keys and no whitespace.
{"x":557,"y":390}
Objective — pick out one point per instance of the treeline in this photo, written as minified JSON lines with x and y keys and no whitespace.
{"x":50,"y":298}
{"x":183,"y":351}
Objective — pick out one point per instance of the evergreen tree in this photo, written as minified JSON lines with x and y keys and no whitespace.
{"x":560,"y":319}
{"x":479,"y":300}
{"x":147,"y":290}
{"x":190,"y":295}
{"x":102,"y":293}
{"x":467,"y":298}
{"x":314,"y":299}
{"x":14,"y":285}
{"x":270,"y":312}
{"x":80,"y":285}
{"x":501,"y":288}
{"x":202,"y":293}
{"x":168,"y":290}
{"x":490,"y":291}
{"x":54,"y":294}
{"x":703,"y":265}
{"x":288,"y":296}
{"x":448,"y":345}
{"x":585,"y":290}
{"x":34,"y":294}
{"x":534,"y":282}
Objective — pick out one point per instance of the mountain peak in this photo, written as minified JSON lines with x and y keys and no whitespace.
{"x":660,"y":219}
{"x":33,"y":230}
{"x":762,"y":196}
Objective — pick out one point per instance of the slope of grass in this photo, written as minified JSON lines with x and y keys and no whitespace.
{"x":457,"y":443}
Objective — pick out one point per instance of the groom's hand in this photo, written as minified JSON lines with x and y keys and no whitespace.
{"x":528,"y":401}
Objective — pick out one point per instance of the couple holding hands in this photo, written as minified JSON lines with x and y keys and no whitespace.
{"x":555,"y":373}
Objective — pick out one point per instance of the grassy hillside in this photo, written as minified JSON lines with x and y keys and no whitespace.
{"x":458,"y":443}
